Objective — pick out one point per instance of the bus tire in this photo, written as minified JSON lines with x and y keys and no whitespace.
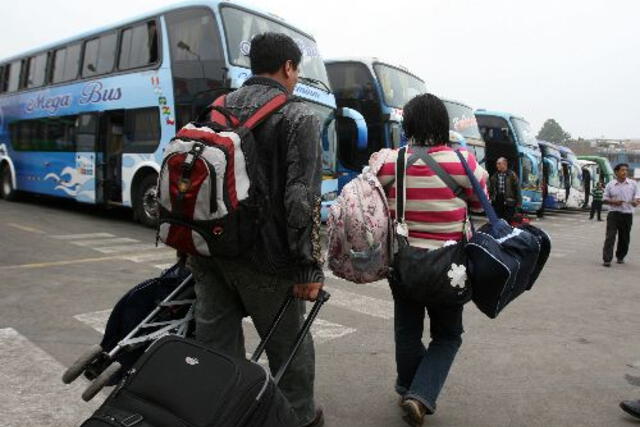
{"x":7,"y":188}
{"x":145,"y":205}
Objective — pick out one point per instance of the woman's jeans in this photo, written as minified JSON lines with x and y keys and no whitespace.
{"x":423,"y":371}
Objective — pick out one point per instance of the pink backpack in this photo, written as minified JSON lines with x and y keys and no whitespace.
{"x":360,"y":227}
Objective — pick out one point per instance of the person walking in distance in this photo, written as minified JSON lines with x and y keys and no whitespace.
{"x":596,"y":203}
{"x":622,"y":196}
{"x":286,"y":255}
{"x":504,"y":190}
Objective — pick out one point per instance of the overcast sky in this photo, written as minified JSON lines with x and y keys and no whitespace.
{"x":575,"y":61}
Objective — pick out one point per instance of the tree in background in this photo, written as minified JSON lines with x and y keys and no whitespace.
{"x":551,"y":131}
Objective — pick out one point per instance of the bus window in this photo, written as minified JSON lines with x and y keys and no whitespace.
{"x":65,"y":64}
{"x":37,"y":66}
{"x":60,"y":132}
{"x":138,"y":46}
{"x":141,"y":130}
{"x":241,"y":26}
{"x":197,"y":60}
{"x":13,"y":76}
{"x":99,"y":55}
{"x":354,"y":87}
{"x":398,"y":87}
{"x":85,"y":132}
{"x":44,"y":134}
{"x":528,"y":175}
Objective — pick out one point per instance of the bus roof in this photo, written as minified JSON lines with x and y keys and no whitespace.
{"x":565,"y":150}
{"x":582,"y":163}
{"x":548,"y":144}
{"x":503,"y":114}
{"x":214,"y":4}
{"x":370,"y":61}
{"x":454,"y":101}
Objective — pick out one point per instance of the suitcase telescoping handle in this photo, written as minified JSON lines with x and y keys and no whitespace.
{"x":323,"y":297}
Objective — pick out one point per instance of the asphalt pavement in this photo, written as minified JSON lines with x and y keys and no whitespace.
{"x":563,"y":354}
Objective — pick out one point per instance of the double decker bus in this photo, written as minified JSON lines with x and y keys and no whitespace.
{"x":463,"y":129}
{"x":88,"y":118}
{"x":573,"y":179}
{"x":511,"y":137}
{"x":378,"y":90}
{"x":553,"y":190}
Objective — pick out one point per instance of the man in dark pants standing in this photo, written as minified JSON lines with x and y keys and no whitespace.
{"x":504,"y":190}
{"x":596,"y":204}
{"x":622,"y":195}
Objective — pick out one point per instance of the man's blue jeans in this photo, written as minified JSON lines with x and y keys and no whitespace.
{"x":423,"y":371}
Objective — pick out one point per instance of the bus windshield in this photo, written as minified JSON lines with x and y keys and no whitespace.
{"x":529,"y":176}
{"x":398,"y":86}
{"x":554,"y":175}
{"x":240,"y":27}
{"x":462,"y":120}
{"x":525,"y":134}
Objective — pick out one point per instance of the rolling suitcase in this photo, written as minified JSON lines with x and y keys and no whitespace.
{"x":179,"y":382}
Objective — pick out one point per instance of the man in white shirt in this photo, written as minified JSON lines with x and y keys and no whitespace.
{"x":622,"y":196}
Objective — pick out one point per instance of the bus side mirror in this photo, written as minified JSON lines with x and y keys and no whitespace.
{"x":396,"y":135}
{"x":361,"y":126}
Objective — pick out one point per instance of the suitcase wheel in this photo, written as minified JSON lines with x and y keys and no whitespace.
{"x":78,"y":367}
{"x":102,"y":380}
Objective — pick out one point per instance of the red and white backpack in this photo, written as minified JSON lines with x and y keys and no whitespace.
{"x":211,"y":191}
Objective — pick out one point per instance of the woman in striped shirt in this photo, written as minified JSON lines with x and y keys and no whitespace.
{"x":434,"y":215}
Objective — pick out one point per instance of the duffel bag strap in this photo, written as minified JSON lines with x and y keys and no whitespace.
{"x":424,"y":155}
{"x":477,"y":189}
{"x":401,"y":183}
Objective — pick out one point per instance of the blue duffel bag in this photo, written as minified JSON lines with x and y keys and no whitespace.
{"x":503,"y":261}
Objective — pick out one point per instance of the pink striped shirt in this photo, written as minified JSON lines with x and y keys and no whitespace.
{"x":433,"y":213}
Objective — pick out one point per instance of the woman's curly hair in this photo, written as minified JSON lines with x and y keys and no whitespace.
{"x":426,"y":120}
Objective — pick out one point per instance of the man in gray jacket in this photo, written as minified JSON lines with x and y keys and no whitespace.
{"x":286,"y":255}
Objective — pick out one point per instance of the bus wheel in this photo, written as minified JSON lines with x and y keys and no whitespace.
{"x":145,"y":204}
{"x":7,"y":189}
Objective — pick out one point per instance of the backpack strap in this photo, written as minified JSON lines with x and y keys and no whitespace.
{"x":220,"y":115}
{"x":262,"y":113}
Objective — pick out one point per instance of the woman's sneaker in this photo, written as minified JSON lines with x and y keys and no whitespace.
{"x":414,"y":412}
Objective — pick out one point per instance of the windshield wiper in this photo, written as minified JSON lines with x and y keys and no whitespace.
{"x":316,"y":83}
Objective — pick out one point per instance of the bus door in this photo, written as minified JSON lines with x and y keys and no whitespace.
{"x":86,"y":138}
{"x":109,"y":155}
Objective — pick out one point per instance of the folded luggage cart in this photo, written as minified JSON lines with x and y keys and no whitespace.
{"x":148,"y":312}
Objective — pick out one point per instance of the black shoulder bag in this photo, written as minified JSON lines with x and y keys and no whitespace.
{"x":427,"y":276}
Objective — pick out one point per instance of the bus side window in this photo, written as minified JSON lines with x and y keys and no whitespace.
{"x":99,"y":55}
{"x":37,"y":66}
{"x":65,"y":63}
{"x":141,"y":130}
{"x":138,"y":46}
{"x":13,"y":76}
{"x":85,"y":132}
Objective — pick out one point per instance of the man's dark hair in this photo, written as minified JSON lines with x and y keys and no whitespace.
{"x":270,"y":51}
{"x":426,"y":120}
{"x":620,"y":166}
